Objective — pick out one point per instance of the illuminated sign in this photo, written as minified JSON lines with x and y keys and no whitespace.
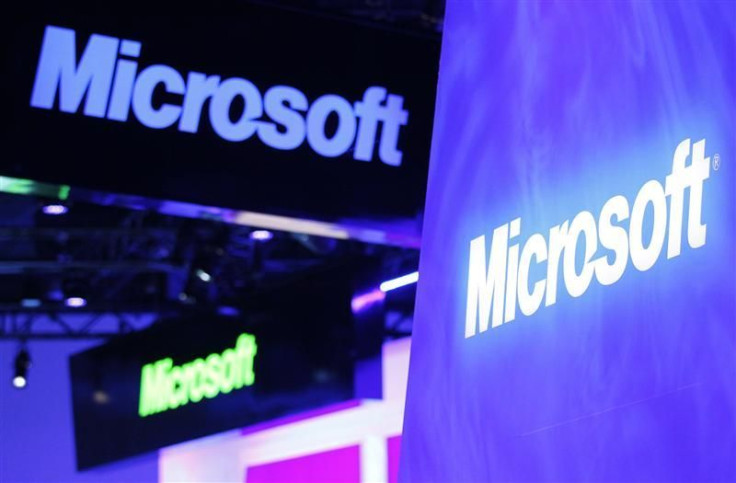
{"x":165,"y":386}
{"x":224,"y":115}
{"x":196,"y":374}
{"x":508,"y":266}
{"x":112,"y":85}
{"x":582,"y":204}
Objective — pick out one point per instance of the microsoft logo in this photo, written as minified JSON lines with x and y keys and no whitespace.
{"x":165,"y":386}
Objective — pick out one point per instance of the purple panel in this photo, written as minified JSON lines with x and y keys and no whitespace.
{"x":341,"y":465}
{"x":547,"y":110}
{"x":393,"y":445}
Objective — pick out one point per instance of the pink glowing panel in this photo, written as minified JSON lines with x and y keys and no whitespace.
{"x":365,"y":300}
{"x":262,"y":451}
{"x":393,"y":446}
{"x":341,"y":465}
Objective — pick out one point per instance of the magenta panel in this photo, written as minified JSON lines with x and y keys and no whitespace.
{"x":341,"y":465}
{"x":393,"y":446}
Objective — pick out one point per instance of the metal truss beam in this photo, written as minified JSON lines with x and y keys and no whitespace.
{"x":26,"y":326}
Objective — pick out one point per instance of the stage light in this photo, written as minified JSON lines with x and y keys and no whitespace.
{"x":55,"y":209}
{"x":100,"y":396}
{"x":187,"y":298}
{"x":75,"y":292}
{"x":395,"y":283}
{"x":75,"y":302}
{"x":261,"y":235}
{"x":22,"y":363}
{"x":30,"y":303}
{"x":228,"y":311}
{"x":54,"y":293}
{"x":203,"y":275}
{"x":32,"y":293}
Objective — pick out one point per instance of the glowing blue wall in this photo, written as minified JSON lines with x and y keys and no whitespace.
{"x":36,"y":424}
{"x":545,"y":110}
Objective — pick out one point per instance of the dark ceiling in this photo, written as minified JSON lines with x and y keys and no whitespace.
{"x":130,"y":261}
{"x":413,"y":16}
{"x":141,"y":261}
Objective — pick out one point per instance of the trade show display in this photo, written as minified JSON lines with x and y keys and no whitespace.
{"x":249,"y":114}
{"x":575,"y":309}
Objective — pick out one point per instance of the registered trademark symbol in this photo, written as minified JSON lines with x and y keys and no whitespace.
{"x":716,"y":161}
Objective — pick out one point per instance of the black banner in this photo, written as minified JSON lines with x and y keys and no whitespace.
{"x":186,"y":377}
{"x":251,"y":108}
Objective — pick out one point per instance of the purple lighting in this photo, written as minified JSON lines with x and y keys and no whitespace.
{"x":400,"y":282}
{"x":30,"y":303}
{"x":228,"y":311}
{"x":75,"y":302}
{"x":54,"y":209}
{"x":261,"y":235}
{"x":360,"y":302}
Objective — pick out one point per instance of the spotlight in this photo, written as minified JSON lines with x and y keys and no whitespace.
{"x":75,"y":292}
{"x":186,"y":298}
{"x":203,"y":276}
{"x":54,"y":209}
{"x":395,"y":283}
{"x":366,"y":300}
{"x":32,"y":294}
{"x":22,"y":363}
{"x":30,"y":303}
{"x":261,"y":235}
{"x":75,"y":302}
{"x":55,"y":293}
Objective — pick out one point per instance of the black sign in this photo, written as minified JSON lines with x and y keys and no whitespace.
{"x":252,"y":108}
{"x":188,"y":377}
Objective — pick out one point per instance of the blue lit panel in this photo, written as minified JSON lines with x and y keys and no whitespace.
{"x":576,"y":313}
